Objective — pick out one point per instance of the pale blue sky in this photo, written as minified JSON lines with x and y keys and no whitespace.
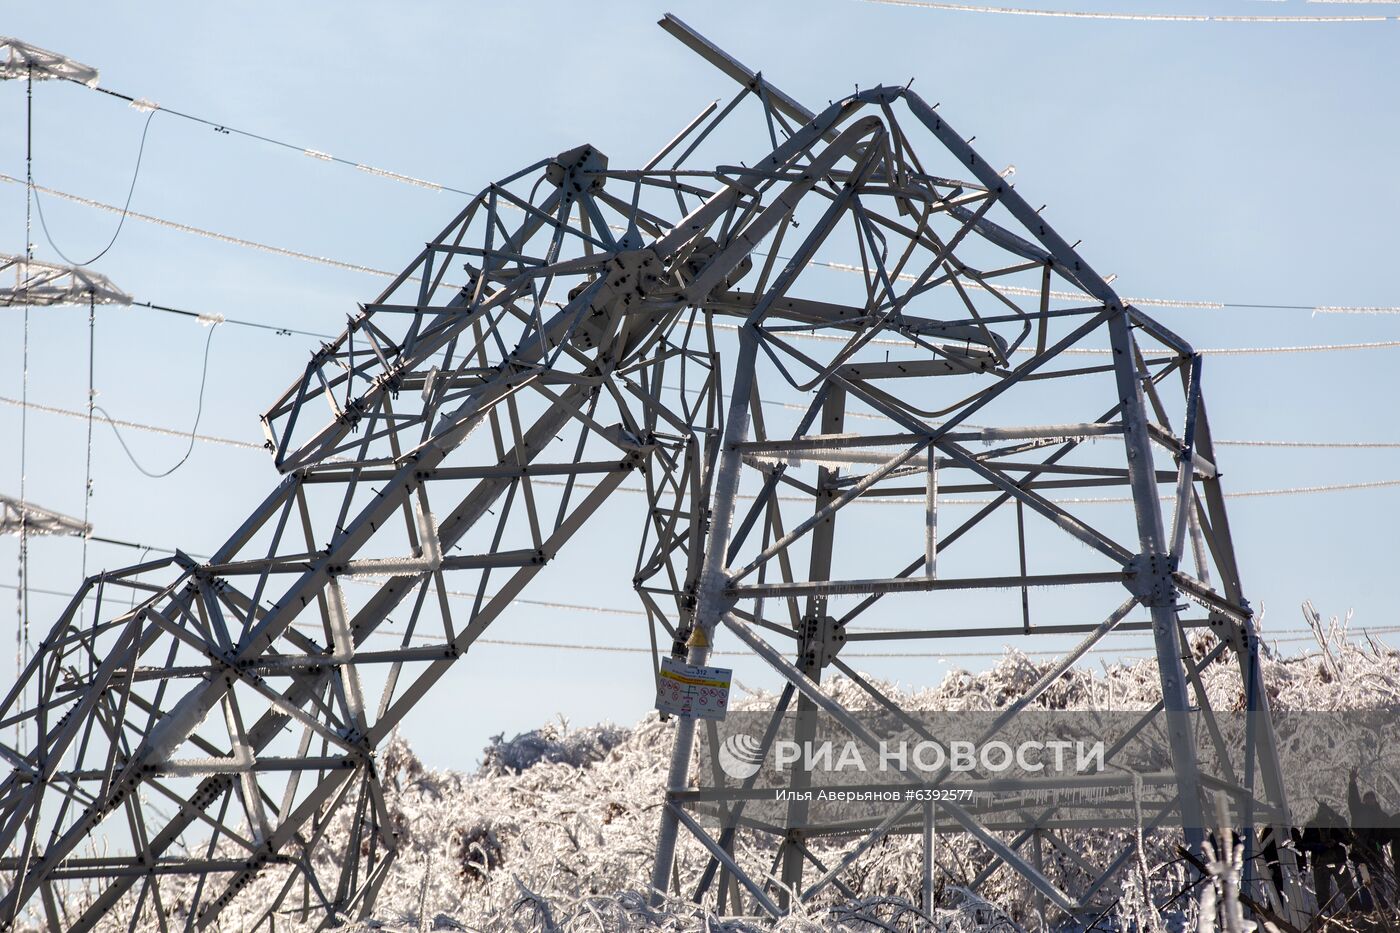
{"x":1235,"y":162}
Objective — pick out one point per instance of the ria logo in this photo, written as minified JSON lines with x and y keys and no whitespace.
{"x":741,"y":756}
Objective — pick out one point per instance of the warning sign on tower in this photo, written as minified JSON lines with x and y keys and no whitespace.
{"x":688,"y":690}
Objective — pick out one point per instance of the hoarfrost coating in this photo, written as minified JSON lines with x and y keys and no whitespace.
{"x":554,"y":831}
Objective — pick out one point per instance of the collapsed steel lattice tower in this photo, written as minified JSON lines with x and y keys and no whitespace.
{"x":576,"y":325}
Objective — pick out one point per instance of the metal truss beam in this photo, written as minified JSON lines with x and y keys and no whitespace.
{"x":44,"y":284}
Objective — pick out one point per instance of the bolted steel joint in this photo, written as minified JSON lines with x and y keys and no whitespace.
{"x":577,"y":170}
{"x":1229,"y":631}
{"x":819,"y":641}
{"x":1149,"y":578}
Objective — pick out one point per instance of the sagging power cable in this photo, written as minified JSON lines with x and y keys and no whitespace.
{"x":126,"y":208}
{"x":193,"y":432}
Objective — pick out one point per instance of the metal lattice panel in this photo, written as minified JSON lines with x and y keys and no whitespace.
{"x":46,"y":284}
{"x":15,"y":515}
{"x":22,"y":60}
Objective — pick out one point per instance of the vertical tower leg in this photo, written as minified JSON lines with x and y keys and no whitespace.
{"x":812,"y":647}
{"x":712,"y":602}
{"x":1152,"y":576}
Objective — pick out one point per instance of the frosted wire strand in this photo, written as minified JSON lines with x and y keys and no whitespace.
{"x":1094,"y":351}
{"x":1085,"y":500}
{"x":1297,"y":490}
{"x":1135,"y":17}
{"x":627,"y":649}
{"x":133,"y":425}
{"x":1054,"y":293}
{"x":837,"y":266}
{"x":1317,"y":445}
{"x":1303,"y":445}
{"x":208,"y":234}
{"x":941,"y":655}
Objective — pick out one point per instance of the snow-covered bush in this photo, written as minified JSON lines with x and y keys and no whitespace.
{"x":555,"y":831}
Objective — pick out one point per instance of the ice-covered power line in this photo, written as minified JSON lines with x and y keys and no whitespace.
{"x":1355,"y":309}
{"x":207,"y":234}
{"x":835,"y":266}
{"x":869,"y":655}
{"x":1306,"y":445}
{"x":1145,"y":302}
{"x":1259,"y":351}
{"x":1133,"y":17}
{"x":1280,"y":636}
{"x":247,"y":445}
{"x":1314,"y":445}
{"x":142,"y":104}
{"x":132,"y":425}
{"x":354,"y":267}
{"x":961,"y":501}
{"x":1209,"y":305}
{"x":1095,"y":351}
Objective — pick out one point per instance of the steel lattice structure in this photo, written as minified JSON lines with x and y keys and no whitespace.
{"x":578,"y":325}
{"x":46,"y":284}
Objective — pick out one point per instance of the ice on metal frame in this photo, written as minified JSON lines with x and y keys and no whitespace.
{"x":22,"y":60}
{"x":45,"y":284}
{"x":37,"y":521}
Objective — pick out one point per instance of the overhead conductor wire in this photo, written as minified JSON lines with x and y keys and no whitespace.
{"x":193,"y":432}
{"x":1238,"y":494}
{"x":131,"y":190}
{"x":225,"y":129}
{"x":355,"y":267}
{"x":1134,"y":17}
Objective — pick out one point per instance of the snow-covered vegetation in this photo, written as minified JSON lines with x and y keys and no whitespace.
{"x":555,"y":830}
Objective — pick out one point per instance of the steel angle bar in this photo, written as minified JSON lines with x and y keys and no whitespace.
{"x":849,"y":858}
{"x":841,"y":715}
{"x":911,"y":584}
{"x":754,"y":888}
{"x":1013,"y":858}
{"x":825,"y":512}
{"x":1062,"y":519}
{"x":726,"y":839}
{"x":1003,"y":630}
